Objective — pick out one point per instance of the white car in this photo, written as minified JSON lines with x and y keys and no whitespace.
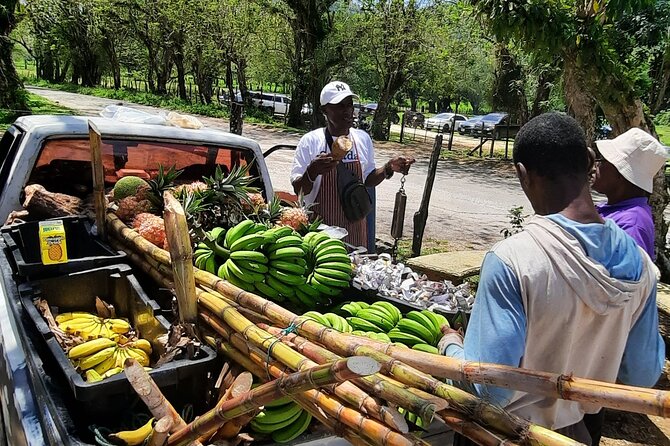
{"x":443,"y":121}
{"x":274,"y":103}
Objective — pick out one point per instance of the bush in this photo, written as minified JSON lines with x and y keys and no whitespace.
{"x":663,"y":118}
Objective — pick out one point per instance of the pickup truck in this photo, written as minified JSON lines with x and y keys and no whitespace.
{"x":54,"y":151}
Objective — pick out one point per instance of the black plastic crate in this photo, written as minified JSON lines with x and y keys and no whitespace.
{"x":116,"y":285}
{"x":84,"y":251}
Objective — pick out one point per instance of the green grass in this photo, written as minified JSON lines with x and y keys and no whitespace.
{"x":429,"y":246}
{"x":664,"y":134}
{"x":37,"y":105}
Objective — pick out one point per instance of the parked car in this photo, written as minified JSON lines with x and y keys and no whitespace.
{"x":489,"y":122}
{"x":443,"y":121}
{"x":273,"y":103}
{"x":467,"y":127}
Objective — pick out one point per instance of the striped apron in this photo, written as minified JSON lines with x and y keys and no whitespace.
{"x":329,"y":207}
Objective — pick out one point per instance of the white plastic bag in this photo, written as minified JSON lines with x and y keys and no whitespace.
{"x":130,"y":115}
{"x":183,"y":121}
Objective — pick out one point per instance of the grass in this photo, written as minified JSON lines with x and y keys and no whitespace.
{"x":429,"y":246}
{"x":37,"y":105}
{"x":664,"y":134}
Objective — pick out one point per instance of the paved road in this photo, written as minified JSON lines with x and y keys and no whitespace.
{"x":469,"y":202}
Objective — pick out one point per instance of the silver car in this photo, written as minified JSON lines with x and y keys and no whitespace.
{"x":443,"y":121}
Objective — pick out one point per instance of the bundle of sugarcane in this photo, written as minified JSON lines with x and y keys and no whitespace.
{"x":386,"y":425}
{"x":409,"y":376}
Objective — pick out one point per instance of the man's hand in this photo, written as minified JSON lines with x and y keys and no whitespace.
{"x":401,"y":164}
{"x":323,"y":163}
{"x":449,"y":336}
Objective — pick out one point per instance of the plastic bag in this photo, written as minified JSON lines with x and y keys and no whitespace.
{"x":127,"y":114}
{"x":183,"y":121}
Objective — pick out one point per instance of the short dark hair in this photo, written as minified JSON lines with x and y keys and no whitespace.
{"x":552,"y":145}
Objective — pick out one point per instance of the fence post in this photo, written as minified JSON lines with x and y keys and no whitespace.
{"x":481,"y":140}
{"x":402,"y":127}
{"x":421,"y":216}
{"x":506,"y":139}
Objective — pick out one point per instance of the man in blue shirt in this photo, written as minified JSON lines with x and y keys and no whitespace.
{"x":570,"y":294}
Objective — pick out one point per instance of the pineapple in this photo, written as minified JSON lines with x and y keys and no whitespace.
{"x":196,"y":186}
{"x":152,"y":228}
{"x":130,"y":207}
{"x":295,"y":217}
{"x":164,"y":180}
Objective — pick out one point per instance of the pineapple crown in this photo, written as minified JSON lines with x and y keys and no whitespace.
{"x":164,"y":180}
{"x":235,"y":185}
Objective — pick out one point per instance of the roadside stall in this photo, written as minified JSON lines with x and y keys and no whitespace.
{"x":183,"y":303}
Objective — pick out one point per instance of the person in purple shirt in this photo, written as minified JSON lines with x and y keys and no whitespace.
{"x":624,"y":173}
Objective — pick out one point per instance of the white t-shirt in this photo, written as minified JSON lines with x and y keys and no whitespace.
{"x":312,"y":144}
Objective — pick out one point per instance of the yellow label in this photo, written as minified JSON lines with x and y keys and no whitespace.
{"x":52,"y":242}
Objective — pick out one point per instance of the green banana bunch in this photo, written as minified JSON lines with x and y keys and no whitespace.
{"x":293,"y":430}
{"x":353,"y":307}
{"x":329,"y":266}
{"x":271,"y":419}
{"x":332,"y":320}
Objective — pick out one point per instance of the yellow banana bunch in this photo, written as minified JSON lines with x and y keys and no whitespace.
{"x":89,"y":326}
{"x":103,"y":357}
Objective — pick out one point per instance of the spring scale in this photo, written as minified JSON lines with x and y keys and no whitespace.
{"x":398,"y":220}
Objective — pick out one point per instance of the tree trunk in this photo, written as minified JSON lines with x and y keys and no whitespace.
{"x":12,"y":95}
{"x":413,"y":99}
{"x":663,"y":79}
{"x":508,"y":89}
{"x":581,"y":103}
{"x":545,"y":83}
{"x":181,"y":78}
{"x":236,"y":108}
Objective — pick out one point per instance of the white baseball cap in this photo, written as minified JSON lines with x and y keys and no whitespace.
{"x":637,"y":156}
{"x":335,"y":92}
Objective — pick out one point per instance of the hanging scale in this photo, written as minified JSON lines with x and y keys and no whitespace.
{"x":398,"y":217}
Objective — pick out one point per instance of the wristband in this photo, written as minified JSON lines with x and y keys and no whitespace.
{"x":308,"y":177}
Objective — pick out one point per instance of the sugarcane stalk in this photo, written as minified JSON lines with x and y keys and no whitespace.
{"x":148,"y":391}
{"x":160,"y":433}
{"x":475,"y":432}
{"x":294,"y":383}
{"x":369,"y":429}
{"x":99,"y":201}
{"x":347,"y":391}
{"x":462,"y":401}
{"x":305,"y":400}
{"x":377,"y":384}
{"x":240,"y":385}
{"x":181,"y":254}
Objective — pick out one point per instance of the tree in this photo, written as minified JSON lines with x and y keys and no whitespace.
{"x":392,"y":38}
{"x":584,"y":35}
{"x":11,"y":89}
{"x":311,"y":22}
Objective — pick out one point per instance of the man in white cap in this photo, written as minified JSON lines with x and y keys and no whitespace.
{"x":316,"y":170}
{"x":625,"y":170}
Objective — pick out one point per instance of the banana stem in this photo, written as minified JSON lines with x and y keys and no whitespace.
{"x":294,"y":383}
